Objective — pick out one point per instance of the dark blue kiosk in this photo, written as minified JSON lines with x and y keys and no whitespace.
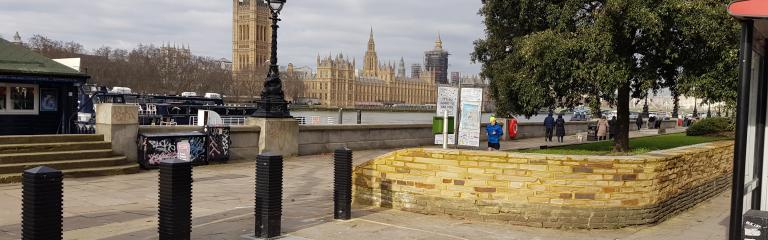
{"x":37,"y":94}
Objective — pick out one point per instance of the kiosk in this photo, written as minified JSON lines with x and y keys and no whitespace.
{"x":748,"y":191}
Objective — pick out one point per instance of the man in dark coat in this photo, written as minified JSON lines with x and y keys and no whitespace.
{"x":549,"y":124}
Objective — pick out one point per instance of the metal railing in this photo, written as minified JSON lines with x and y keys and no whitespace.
{"x":301,"y":120}
{"x":85,"y":128}
{"x":226,"y":121}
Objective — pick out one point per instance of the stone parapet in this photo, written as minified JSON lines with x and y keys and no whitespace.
{"x":547,"y":190}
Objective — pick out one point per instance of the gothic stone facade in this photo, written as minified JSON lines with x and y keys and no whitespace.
{"x":336,"y":83}
{"x":251,"y":38}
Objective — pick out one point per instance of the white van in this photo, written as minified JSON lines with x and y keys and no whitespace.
{"x":213,"y":95}
{"x":121,"y":90}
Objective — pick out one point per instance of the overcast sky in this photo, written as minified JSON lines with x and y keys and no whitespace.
{"x":402,"y":28}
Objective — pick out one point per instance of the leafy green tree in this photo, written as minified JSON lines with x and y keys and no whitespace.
{"x":561,"y":53}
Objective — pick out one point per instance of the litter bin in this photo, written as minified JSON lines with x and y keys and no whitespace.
{"x":154,"y":148}
{"x":217,"y":144}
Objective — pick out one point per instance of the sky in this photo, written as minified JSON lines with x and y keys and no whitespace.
{"x":309,"y":27}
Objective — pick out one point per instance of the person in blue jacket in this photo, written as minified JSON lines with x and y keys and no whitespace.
{"x":494,"y":134}
{"x":549,"y":124}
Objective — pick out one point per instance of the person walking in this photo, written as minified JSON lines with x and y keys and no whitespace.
{"x":549,"y":123}
{"x":602,"y":128}
{"x":560,"y":128}
{"x":612,"y":129}
{"x":494,"y":132}
{"x":639,"y":122}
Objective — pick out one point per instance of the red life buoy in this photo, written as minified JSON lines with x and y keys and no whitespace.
{"x":512,"y":123}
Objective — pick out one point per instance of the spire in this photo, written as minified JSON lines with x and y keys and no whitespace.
{"x":439,"y":42}
{"x":401,"y":68}
{"x":17,"y":38}
{"x":371,"y":43}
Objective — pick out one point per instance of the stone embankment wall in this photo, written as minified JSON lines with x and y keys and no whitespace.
{"x":547,"y":190}
{"x":317,"y":139}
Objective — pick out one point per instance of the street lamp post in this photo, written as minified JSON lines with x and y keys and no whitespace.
{"x":645,"y":113}
{"x":272,"y":103}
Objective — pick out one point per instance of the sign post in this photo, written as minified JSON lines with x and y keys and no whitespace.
{"x":445,"y":130}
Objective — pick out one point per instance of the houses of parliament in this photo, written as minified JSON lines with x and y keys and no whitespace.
{"x":337,"y":81}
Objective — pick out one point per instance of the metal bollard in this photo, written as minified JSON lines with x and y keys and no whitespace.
{"x":269,"y":195}
{"x":175,"y":200}
{"x":359,"y":116}
{"x":41,"y":204}
{"x":342,"y":184}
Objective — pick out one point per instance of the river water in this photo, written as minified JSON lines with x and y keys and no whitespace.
{"x":372,"y":117}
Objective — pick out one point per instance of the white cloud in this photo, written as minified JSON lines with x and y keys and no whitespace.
{"x":402,"y":28}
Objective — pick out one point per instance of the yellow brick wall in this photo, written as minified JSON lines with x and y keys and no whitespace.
{"x":491,"y":185}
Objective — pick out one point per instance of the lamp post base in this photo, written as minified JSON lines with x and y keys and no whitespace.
{"x":269,"y":108}
{"x":277,"y":135}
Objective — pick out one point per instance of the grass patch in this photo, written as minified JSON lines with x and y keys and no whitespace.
{"x":637,"y":145}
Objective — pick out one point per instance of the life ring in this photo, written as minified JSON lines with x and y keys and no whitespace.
{"x":512,"y":123}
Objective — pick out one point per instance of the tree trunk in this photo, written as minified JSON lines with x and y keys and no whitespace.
{"x":621,"y":142}
{"x":676,"y":106}
{"x":594,"y":105}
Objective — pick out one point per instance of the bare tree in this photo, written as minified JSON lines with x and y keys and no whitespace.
{"x":146,"y":68}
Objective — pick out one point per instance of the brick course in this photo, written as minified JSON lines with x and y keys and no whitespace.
{"x":546,"y":190}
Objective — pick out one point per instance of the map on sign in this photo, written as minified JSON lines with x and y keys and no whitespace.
{"x":469,"y":125}
{"x":182,"y":150}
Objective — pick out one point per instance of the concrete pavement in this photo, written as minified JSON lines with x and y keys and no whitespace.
{"x":125,"y":207}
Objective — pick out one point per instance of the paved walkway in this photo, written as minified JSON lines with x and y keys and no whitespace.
{"x":125,"y":207}
{"x":571,"y":139}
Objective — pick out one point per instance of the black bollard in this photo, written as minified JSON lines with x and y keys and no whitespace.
{"x":41,"y":204}
{"x":359,"y":116}
{"x":269,"y":195}
{"x":175,"y":200}
{"x":342,"y":184}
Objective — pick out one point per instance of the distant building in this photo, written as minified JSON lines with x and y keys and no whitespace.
{"x":17,"y":39}
{"x":455,"y":77}
{"x":174,"y":58}
{"x":401,"y":69}
{"x":225,"y":64}
{"x":251,"y":37}
{"x":415,"y":70}
{"x":337,"y":84}
{"x":436,"y":61}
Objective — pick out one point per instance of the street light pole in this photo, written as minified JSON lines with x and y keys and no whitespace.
{"x":272,"y":103}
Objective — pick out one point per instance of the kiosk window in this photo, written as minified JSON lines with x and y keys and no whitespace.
{"x":23,"y":98}
{"x":19,"y":99}
{"x":3,"y":96}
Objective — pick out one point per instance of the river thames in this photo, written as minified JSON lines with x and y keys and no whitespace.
{"x":373,"y":117}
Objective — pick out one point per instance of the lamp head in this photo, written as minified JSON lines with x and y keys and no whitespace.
{"x":275,"y":5}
